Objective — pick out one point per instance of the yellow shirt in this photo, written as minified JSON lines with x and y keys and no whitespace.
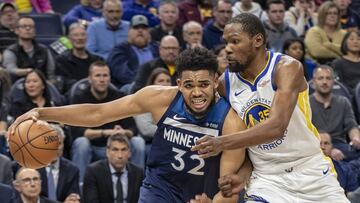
{"x":24,"y":6}
{"x":171,"y":69}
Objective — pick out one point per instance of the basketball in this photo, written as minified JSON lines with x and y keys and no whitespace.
{"x":34,"y":144}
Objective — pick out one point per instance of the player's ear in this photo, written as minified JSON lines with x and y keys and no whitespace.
{"x":178,"y":82}
{"x":258,"y":40}
{"x":216,"y":81}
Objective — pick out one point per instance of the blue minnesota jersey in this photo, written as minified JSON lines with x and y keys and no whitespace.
{"x":171,"y":162}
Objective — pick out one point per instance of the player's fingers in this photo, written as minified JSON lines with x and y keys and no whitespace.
{"x":200,"y":143}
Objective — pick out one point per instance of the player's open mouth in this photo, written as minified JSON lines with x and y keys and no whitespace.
{"x":199,"y":103}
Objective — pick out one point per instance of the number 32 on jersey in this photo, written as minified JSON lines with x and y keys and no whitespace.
{"x":180,"y":163}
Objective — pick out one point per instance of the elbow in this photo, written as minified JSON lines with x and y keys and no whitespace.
{"x":279,"y":129}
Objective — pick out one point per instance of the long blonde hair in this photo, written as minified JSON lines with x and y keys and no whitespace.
{"x":322,"y":13}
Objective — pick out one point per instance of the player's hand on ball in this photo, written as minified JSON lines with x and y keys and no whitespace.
{"x":208,"y":146}
{"x":32,"y":114}
{"x":201,"y":199}
{"x":231,"y":184}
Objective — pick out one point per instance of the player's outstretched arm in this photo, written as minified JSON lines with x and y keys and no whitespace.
{"x":231,"y":160}
{"x":152,"y":99}
{"x":290,"y":81}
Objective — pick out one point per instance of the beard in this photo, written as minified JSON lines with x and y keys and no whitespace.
{"x":237,"y":67}
{"x":199,"y":115}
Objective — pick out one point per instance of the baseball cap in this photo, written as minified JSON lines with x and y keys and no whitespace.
{"x":3,"y":5}
{"x":139,"y":20}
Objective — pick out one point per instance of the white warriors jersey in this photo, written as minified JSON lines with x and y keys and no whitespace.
{"x":252,"y":101}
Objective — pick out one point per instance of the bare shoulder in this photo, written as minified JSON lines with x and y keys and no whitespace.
{"x":289,"y":63}
{"x":233,"y":123}
{"x":290,"y":74}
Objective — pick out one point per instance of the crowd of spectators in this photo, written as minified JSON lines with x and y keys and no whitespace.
{"x":111,"y":48}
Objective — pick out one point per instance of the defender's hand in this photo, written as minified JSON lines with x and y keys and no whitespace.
{"x":208,"y":146}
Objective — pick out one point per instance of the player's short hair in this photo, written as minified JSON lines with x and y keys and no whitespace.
{"x":117,"y":138}
{"x":196,"y":59}
{"x":250,"y":24}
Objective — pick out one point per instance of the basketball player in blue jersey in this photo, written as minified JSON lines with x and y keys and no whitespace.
{"x":270,"y":94}
{"x":183,"y":114}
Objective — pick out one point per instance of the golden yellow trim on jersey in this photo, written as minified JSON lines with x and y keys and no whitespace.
{"x":332,"y":167}
{"x":304,"y":105}
{"x":267,"y":63}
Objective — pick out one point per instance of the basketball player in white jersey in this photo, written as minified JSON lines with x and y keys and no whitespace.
{"x":270,"y":94}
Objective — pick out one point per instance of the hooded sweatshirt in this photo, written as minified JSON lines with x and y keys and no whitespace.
{"x":255,"y":9}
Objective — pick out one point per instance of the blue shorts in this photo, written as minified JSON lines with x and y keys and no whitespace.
{"x":154,"y":194}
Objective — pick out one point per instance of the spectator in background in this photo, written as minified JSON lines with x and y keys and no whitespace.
{"x":333,"y":114}
{"x":147,"y":8}
{"x":6,"y":173}
{"x":168,"y":15}
{"x":74,"y":64}
{"x":323,"y":40}
{"x":36,"y":94}
{"x":295,"y":48}
{"x":192,"y":34}
{"x":126,"y":58}
{"x":32,"y":6}
{"x":145,"y":122}
{"x":301,"y":16}
{"x":8,"y":19}
{"x":60,"y":179}
{"x":90,"y":143}
{"x":84,"y":13}
{"x":220,"y":52}
{"x":276,"y":29}
{"x":249,"y":6}
{"x":5,"y":84}
{"x":194,"y":10}
{"x":169,"y":49}
{"x":213,"y":31}
{"x":347,"y":67}
{"x":349,"y":19}
{"x":27,"y":55}
{"x":113,"y":179}
{"x":347,"y":174}
{"x":7,"y":193}
{"x":105,"y":34}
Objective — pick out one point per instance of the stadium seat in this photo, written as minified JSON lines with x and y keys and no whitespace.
{"x":48,"y":24}
{"x":357,"y":97}
{"x":63,"y":6}
{"x":338,"y":88}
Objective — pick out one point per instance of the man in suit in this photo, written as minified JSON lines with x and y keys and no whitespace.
{"x":113,"y":178}
{"x":65,"y":175}
{"x":7,"y":194}
{"x":6,"y":174}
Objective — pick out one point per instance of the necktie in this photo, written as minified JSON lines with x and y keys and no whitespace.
{"x":51,"y":184}
{"x":119,"y":190}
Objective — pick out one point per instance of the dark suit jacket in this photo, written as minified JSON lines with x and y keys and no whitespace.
{"x":98,"y":188}
{"x":68,"y":181}
{"x":6,"y":173}
{"x":7,"y":194}
{"x":42,"y":200}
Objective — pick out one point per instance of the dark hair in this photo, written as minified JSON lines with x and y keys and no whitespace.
{"x":98,"y":63}
{"x":287,"y":45}
{"x":218,"y":48}
{"x":117,"y":138}
{"x":23,"y":17}
{"x":250,"y":24}
{"x":42,"y":77}
{"x":196,"y":59}
{"x":269,"y":2}
{"x":216,"y":3}
{"x":344,"y":47}
{"x":157,"y":71}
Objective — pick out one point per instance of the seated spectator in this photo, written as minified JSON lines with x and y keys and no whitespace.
{"x":169,"y":49}
{"x":126,"y":58}
{"x":276,"y":29}
{"x":323,"y":40}
{"x":192,"y":34}
{"x":7,"y":193}
{"x":8,"y":19}
{"x":354,"y":196}
{"x":347,"y":174}
{"x":114,"y":178}
{"x":147,"y":8}
{"x":36,"y":94}
{"x":6,"y":173}
{"x":333,"y":114}
{"x":74,"y":64}
{"x":347,"y":67}
{"x":105,"y":33}
{"x":349,"y":19}
{"x":27,"y":55}
{"x":32,"y":6}
{"x":84,"y":13}
{"x":60,"y":179}
{"x":295,"y":48}
{"x":302,"y":16}
{"x":145,"y":122}
{"x":28,"y":184}
{"x":221,"y":58}
{"x":5,"y":84}
{"x":213,"y":31}
{"x":168,"y":15}
{"x":90,"y":143}
{"x":194,"y":10}
{"x":249,"y":6}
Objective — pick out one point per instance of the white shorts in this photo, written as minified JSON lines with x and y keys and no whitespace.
{"x":312,"y":181}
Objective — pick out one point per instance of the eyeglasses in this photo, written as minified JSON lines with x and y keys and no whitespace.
{"x":26,"y":26}
{"x":28,"y":181}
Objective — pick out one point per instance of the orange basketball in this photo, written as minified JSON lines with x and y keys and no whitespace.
{"x":34,"y":144}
